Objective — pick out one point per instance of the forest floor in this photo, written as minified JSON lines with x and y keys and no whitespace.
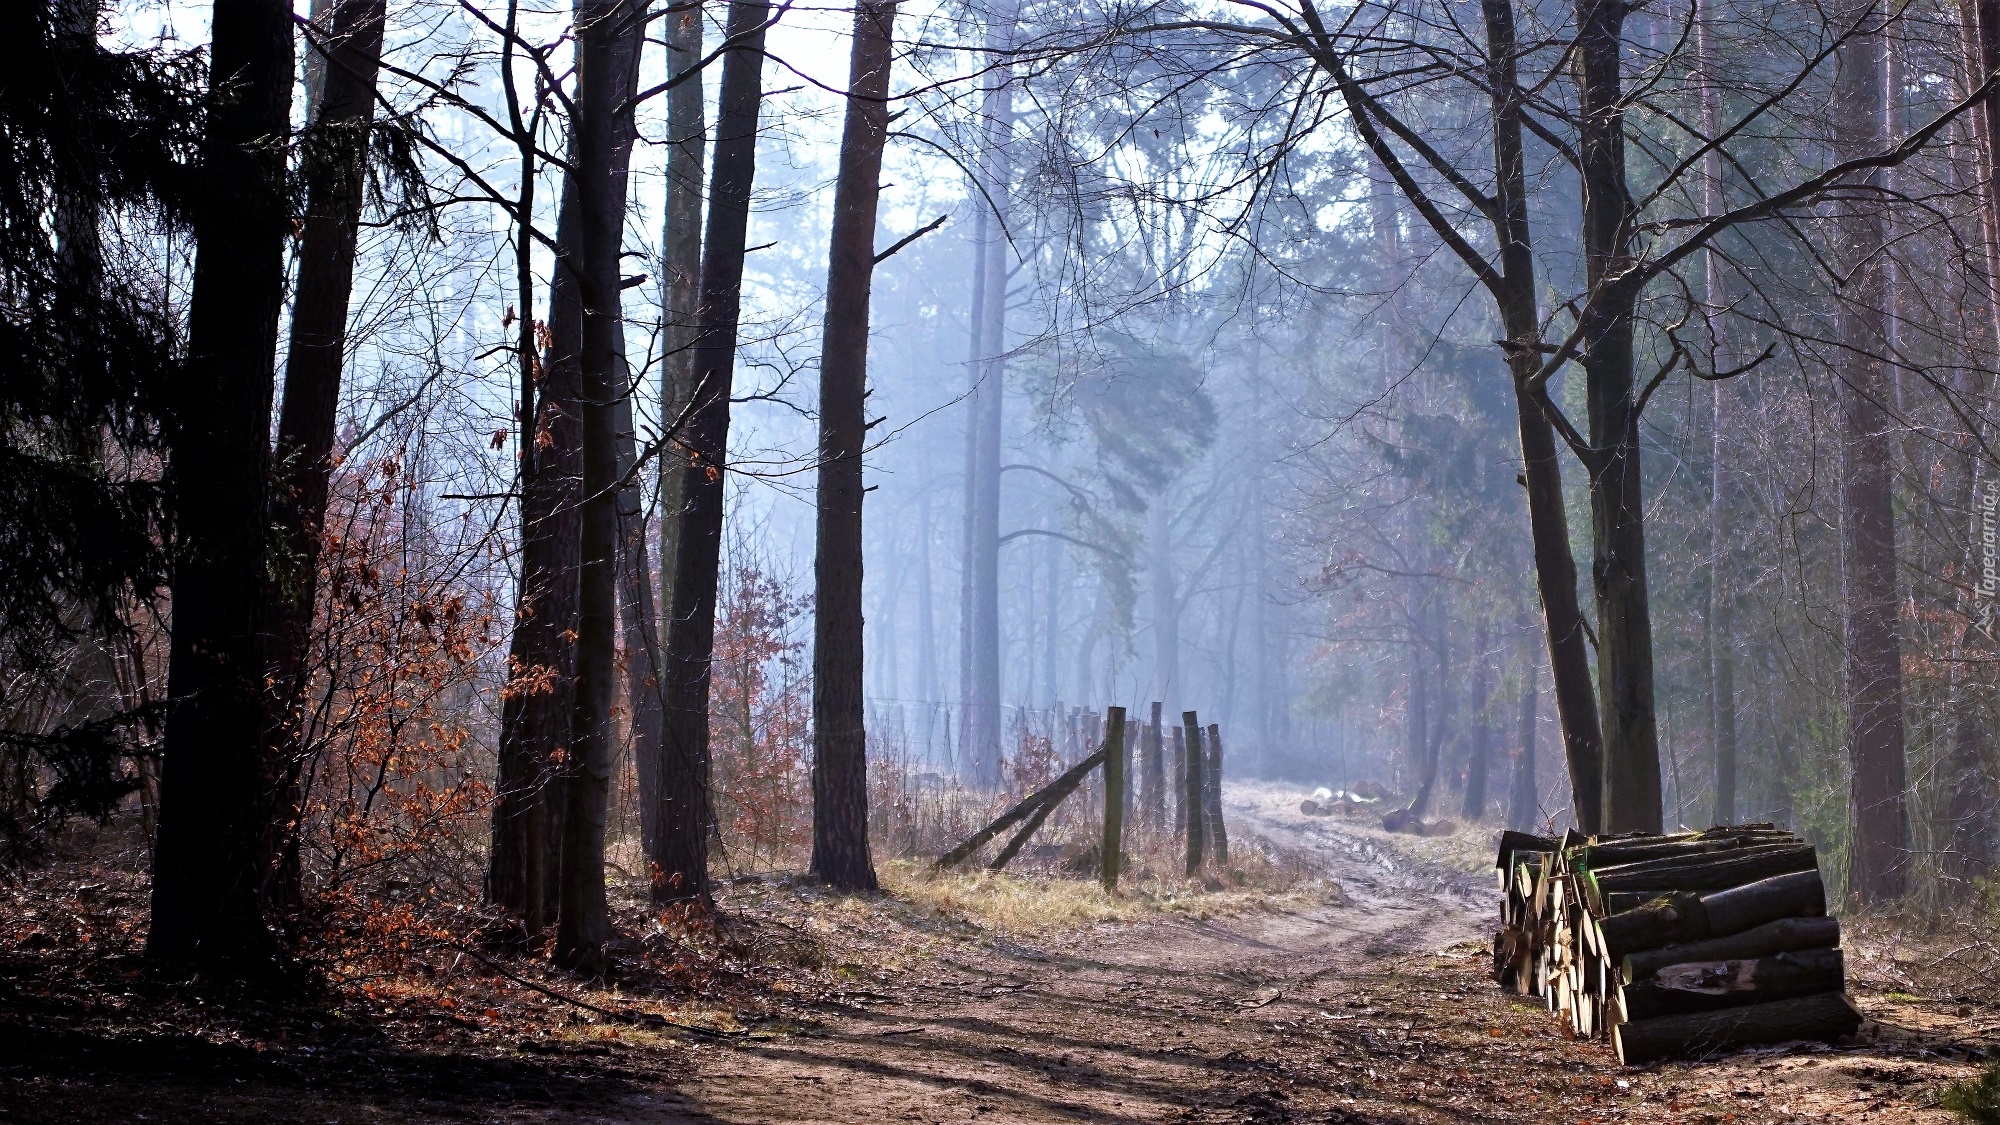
{"x":1361,"y":996}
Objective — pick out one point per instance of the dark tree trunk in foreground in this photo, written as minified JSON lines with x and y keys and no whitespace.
{"x":538,"y":706}
{"x":516,"y":865}
{"x":1548,"y":520}
{"x":680,"y":289}
{"x":215,"y":794}
{"x":335,"y":163}
{"x":1631,"y":772}
{"x":1874,"y":673}
{"x":840,"y":745}
{"x":609,"y":33}
{"x":1721,"y":572}
{"x":979,"y":705}
{"x":682,"y":855}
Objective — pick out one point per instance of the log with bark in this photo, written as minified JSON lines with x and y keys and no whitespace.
{"x":1825,"y":1016}
{"x":1698,"y":941}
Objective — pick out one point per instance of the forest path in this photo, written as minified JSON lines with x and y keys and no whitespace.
{"x":1157,"y":1021}
{"x":1372,"y":1007}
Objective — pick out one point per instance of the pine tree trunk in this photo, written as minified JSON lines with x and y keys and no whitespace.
{"x":1874,"y":677}
{"x":334,"y":167}
{"x":681,"y":855}
{"x":840,"y":747}
{"x":215,"y":795}
{"x":979,"y":710}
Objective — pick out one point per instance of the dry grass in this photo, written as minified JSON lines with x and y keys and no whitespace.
{"x":1039,"y":899}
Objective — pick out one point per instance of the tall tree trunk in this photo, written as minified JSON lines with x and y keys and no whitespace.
{"x":215,"y":794}
{"x":1631,"y":785}
{"x":638,"y":623}
{"x":532,"y":714}
{"x":1476,"y":766}
{"x":1521,"y":794}
{"x":1972,"y":803}
{"x":335,"y":163}
{"x":680,"y":268}
{"x":979,"y":709}
{"x":840,"y":745}
{"x":681,"y":855}
{"x":1874,"y":673}
{"x":1548,"y":519}
{"x":1432,"y":740}
{"x":1721,"y":632}
{"x":680,"y":290}
{"x":609,"y":35}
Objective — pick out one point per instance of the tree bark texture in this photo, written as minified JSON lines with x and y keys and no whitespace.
{"x":680,"y":274}
{"x":1874,"y":674}
{"x":1631,"y":785}
{"x":840,"y":743}
{"x":1193,"y":786}
{"x":638,"y":620}
{"x":1111,"y":849}
{"x":215,"y":794}
{"x":1721,"y":633}
{"x":609,"y":36}
{"x":1548,"y":519}
{"x":680,"y":290}
{"x":682,"y":851}
{"x":335,"y":163}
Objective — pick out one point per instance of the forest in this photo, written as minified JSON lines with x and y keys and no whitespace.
{"x":731,"y":560}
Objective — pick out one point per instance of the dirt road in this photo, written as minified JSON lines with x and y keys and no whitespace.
{"x":1372,"y":1007}
{"x":1367,"y":1003}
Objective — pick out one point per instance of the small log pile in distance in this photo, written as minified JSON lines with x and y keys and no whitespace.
{"x":1673,"y":945}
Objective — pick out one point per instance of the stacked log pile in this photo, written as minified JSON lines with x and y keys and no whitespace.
{"x":1673,"y":945}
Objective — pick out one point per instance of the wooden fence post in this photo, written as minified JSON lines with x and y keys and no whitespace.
{"x":1218,"y":836}
{"x":1152,"y":796}
{"x":1179,"y":784}
{"x":1192,"y":791}
{"x":1114,"y":796}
